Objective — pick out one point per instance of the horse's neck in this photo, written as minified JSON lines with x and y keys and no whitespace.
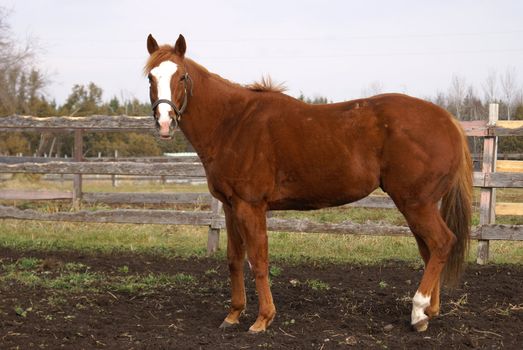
{"x":213,"y":102}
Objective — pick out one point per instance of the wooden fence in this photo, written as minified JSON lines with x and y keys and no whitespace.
{"x":490,"y":178}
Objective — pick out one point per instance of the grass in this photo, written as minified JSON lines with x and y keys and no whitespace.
{"x":71,"y":278}
{"x":188,"y":241}
{"x":191,"y":241}
{"x":28,"y":183}
{"x":316,"y":284}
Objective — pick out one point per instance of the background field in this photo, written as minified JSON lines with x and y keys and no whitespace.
{"x":191,"y":241}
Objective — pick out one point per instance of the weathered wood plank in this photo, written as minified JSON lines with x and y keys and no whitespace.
{"x":504,"y":180}
{"x":509,"y":208}
{"x":512,"y":166}
{"x":131,"y":216}
{"x":510,"y":156}
{"x":296,"y":225}
{"x":118,"y":168}
{"x":509,"y":128}
{"x":34,"y":195}
{"x":204,"y":218}
{"x":384,"y":202}
{"x":146,"y":123}
{"x":18,"y":160}
{"x":146,"y":198}
{"x":95,"y":122}
{"x":501,"y":232}
{"x":475,"y":127}
{"x":162,"y":159}
{"x":478,"y":179}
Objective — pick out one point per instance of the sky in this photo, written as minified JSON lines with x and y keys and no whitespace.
{"x":334,"y":49}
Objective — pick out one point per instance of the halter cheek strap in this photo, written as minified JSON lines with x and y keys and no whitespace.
{"x":178,"y":112}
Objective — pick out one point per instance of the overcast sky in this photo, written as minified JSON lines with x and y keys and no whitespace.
{"x":321,"y":48}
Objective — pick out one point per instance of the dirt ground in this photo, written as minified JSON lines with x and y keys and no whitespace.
{"x":319,"y":307}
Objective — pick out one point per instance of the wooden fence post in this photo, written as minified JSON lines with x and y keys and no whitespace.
{"x":213,"y":237}
{"x":487,"y":203}
{"x":113,"y":176}
{"x":78,"y":157}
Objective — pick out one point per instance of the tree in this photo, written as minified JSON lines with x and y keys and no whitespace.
{"x":508,"y":88}
{"x":316,"y":100}
{"x":13,"y":143}
{"x":374,"y":88}
{"x":21,"y":83}
{"x":456,"y":95}
{"x":490,"y":87}
{"x":83,"y":100}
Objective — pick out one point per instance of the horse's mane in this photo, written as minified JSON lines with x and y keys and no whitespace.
{"x":266,"y":84}
{"x":166,"y":52}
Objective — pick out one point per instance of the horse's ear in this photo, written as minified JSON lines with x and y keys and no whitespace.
{"x":152,"y":45}
{"x":180,"y":46}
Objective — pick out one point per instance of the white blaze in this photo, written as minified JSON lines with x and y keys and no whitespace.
{"x":163,"y":74}
{"x":419,"y":303}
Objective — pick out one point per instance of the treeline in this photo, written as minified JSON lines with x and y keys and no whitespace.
{"x":83,"y":100}
{"x":22,"y":91}
{"x":465,"y":102}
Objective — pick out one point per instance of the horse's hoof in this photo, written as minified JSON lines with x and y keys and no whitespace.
{"x":253,"y":330}
{"x":421,"y":326}
{"x":432,"y":312}
{"x":225,"y":324}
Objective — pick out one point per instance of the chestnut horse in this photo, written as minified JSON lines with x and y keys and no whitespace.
{"x":263,"y":150}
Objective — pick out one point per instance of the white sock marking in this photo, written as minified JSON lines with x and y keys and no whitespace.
{"x":419,"y":303}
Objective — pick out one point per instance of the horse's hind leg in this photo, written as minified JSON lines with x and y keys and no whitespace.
{"x":433,"y":309}
{"x":428,"y":226}
{"x":236,"y":260}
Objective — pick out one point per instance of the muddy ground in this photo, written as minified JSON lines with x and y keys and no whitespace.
{"x":320,"y":306}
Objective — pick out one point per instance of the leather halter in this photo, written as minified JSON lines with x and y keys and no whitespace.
{"x":177,"y":111}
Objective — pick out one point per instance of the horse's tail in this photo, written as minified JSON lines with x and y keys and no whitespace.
{"x":456,"y":210}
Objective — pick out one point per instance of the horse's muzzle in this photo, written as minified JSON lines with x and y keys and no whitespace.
{"x":165,"y":130}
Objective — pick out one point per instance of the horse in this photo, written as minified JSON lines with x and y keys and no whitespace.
{"x":264,"y":150}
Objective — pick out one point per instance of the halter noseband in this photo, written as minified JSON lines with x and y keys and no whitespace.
{"x":177,"y":111}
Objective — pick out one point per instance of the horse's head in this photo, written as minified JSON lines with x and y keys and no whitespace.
{"x":168,"y":81}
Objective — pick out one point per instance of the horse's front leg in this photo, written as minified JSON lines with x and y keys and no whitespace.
{"x":236,"y":260}
{"x":251,"y":222}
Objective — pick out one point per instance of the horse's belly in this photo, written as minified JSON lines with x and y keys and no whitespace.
{"x":322,"y":194}
{"x":309,"y":203}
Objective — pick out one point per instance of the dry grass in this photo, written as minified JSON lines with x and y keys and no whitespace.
{"x":189,"y":240}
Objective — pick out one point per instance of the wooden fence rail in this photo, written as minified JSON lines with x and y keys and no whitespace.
{"x":487,"y":180}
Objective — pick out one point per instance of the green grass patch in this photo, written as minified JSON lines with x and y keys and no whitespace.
{"x":275,"y":271}
{"x":149,"y":283}
{"x":191,"y":241}
{"x":28,"y":263}
{"x":68,"y":279}
{"x":346,"y":213}
{"x":318,"y":285}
